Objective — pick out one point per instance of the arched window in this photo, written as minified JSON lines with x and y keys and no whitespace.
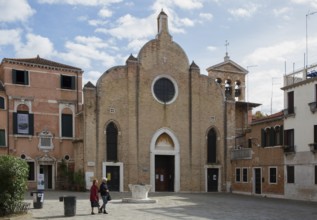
{"x":23,"y":121}
{"x":279,"y":135}
{"x":211,"y":146}
{"x":112,"y":142}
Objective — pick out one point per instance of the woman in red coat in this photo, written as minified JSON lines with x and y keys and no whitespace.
{"x":94,"y":199}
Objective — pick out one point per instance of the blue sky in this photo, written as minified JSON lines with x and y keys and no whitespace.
{"x":95,"y":35}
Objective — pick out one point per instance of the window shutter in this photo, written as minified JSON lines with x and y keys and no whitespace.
{"x":61,"y":81}
{"x":67,"y":125}
{"x":73,"y":85}
{"x":263,"y":137}
{"x":14,"y":76}
{"x":26,"y":78}
{"x":281,"y":135}
{"x":15,"y":122}
{"x":31,"y":124}
{"x":272,"y":136}
{"x":2,"y":138}
{"x":2,"y":103}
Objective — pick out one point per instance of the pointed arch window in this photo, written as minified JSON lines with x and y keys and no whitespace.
{"x":112,"y":142}
{"x":211,"y":146}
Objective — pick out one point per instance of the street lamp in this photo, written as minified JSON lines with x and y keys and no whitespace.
{"x":309,"y":13}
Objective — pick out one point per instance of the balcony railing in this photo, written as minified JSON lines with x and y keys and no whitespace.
{"x":239,"y":154}
{"x":313,"y":147}
{"x":289,"y":149}
{"x":300,"y":75}
{"x":289,"y":112}
{"x":313,"y":106}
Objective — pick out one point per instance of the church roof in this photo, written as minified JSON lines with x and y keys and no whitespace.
{"x":194,"y":65}
{"x":162,"y":13}
{"x":40,"y":62}
{"x":89,"y":85}
{"x":226,"y":62}
{"x":132,"y":58}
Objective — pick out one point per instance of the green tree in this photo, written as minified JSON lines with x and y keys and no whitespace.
{"x":259,"y":115}
{"x":13,"y":184}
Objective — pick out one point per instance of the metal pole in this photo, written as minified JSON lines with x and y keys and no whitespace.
{"x":309,"y":13}
{"x":248,"y":86}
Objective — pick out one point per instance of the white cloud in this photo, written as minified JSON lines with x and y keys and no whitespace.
{"x":15,"y":10}
{"x":84,"y":50}
{"x":277,"y":52}
{"x":244,"y":12}
{"x":91,"y":76}
{"x":206,"y":16}
{"x":105,"y":13}
{"x":97,"y":23}
{"x":312,"y":3}
{"x":93,"y":42}
{"x":80,"y":2}
{"x":137,"y":44}
{"x":186,"y":22}
{"x":283,"y":13}
{"x":183,"y":4}
{"x":211,"y":48}
{"x":129,"y":27}
{"x":10,"y":37}
{"x":36,"y":45}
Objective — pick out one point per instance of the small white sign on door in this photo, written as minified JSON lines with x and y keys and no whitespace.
{"x":40,"y":181}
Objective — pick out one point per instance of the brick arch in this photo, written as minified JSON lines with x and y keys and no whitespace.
{"x":22,"y":107}
{"x":67,"y":110}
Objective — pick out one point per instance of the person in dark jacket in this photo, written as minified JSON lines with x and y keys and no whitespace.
{"x":104,"y":193}
{"x":94,"y":199}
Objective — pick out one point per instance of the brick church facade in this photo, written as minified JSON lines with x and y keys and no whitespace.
{"x":158,"y":120}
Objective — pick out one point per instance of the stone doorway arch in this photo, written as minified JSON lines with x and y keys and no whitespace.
{"x":165,"y":143}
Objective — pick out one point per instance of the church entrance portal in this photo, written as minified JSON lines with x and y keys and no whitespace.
{"x":164,"y":173}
